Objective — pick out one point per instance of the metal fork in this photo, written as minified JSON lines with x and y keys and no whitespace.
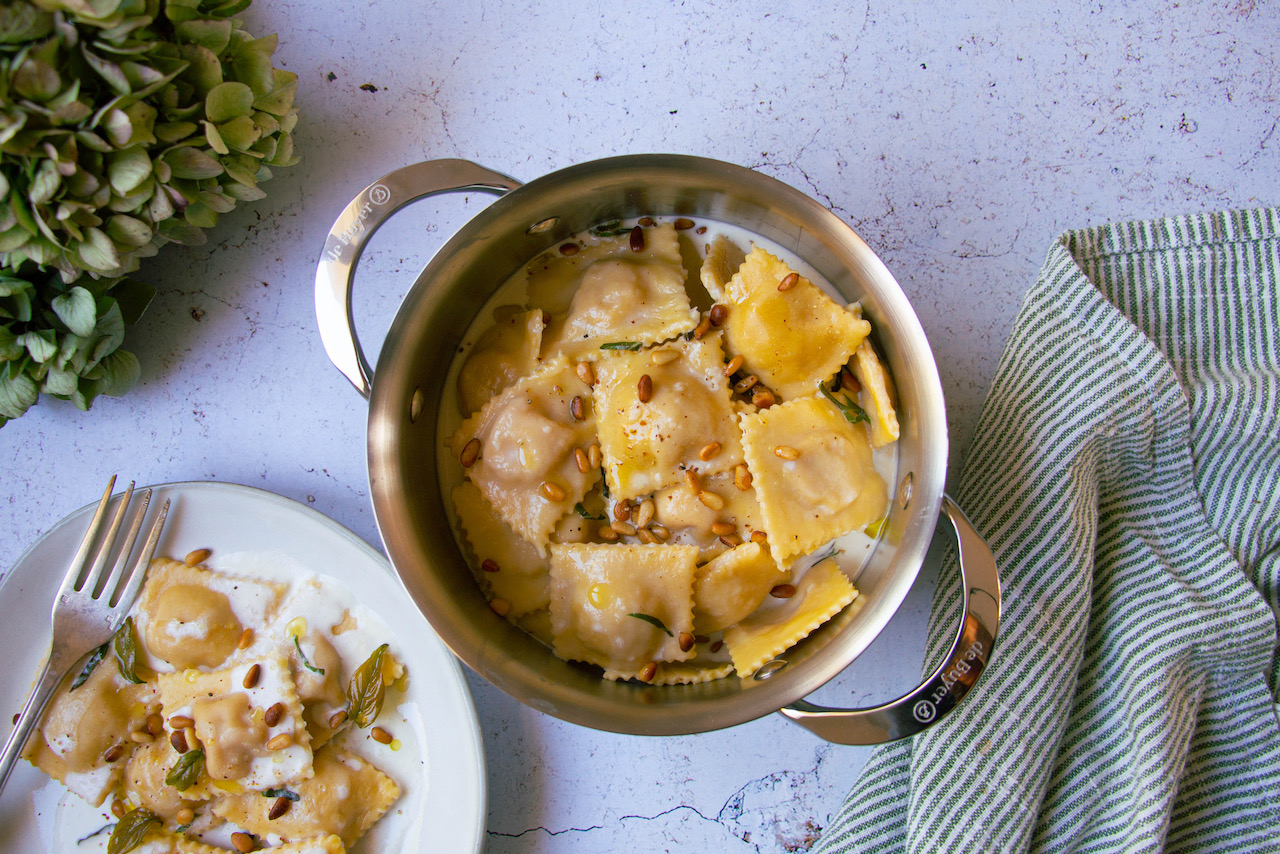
{"x":90,"y":606}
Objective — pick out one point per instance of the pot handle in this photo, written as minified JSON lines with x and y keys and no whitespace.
{"x":352,"y":230}
{"x":952,"y":680}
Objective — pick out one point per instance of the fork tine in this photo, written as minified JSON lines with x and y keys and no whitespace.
{"x":72,"y":579}
{"x":138,"y":572}
{"x":111,"y":579}
{"x":92,"y":581}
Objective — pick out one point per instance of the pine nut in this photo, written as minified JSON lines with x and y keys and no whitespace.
{"x":155,"y":724}
{"x":637,"y":239}
{"x":644,"y":388}
{"x":551,"y":491}
{"x":246,"y":638}
{"x":577,"y":409}
{"x":489,"y":565}
{"x":742,"y":476}
{"x":646,"y":536}
{"x":717,"y":646}
{"x":184,"y":816}
{"x":243,"y":842}
{"x":849,"y":381}
{"x":581,"y":461}
{"x":192,"y":741}
{"x":783,"y":591}
{"x":762,"y":398}
{"x":745,"y":384}
{"x":501,"y":607}
{"x":691,"y":478}
{"x":470,"y":453}
{"x":196,"y":557}
{"x":759,"y":537}
{"x":380,"y":735}
{"x":718,"y":315}
{"x":789,"y":281}
{"x":607,"y":534}
{"x":646,"y":221}
{"x":663,"y":357}
{"x":701,"y":639}
{"x":734,"y":365}
{"x":709,"y":451}
{"x":279,"y":808}
{"x":786,"y":452}
{"x":686,"y":641}
{"x":337,"y":719}
{"x":178,"y":741}
{"x":114,"y":752}
{"x":594,"y":456}
{"x":586,"y":373}
{"x":280,"y":742}
{"x":568,"y":249}
{"x":720,"y":529}
{"x":660,"y":533}
{"x":683,"y":223}
{"x":252,"y":676}
{"x":622,"y":510}
{"x":139,"y":736}
{"x":626,"y":529}
{"x":710,"y":499}
{"x":273,"y":714}
{"x":649,"y":671}
{"x":180,"y":722}
{"x":644,"y":513}
{"x":701,"y":329}
{"x":119,"y":808}
{"x":730,"y":540}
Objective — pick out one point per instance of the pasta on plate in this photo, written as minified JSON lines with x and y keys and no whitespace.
{"x":659,"y":490}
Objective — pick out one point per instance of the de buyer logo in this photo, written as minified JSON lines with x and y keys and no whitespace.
{"x":924,"y":711}
{"x":377,"y":195}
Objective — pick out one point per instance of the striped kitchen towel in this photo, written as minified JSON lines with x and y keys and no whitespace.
{"x":1126,"y":472}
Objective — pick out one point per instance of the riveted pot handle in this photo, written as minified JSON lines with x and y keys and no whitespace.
{"x":954,"y":678}
{"x":352,"y":230}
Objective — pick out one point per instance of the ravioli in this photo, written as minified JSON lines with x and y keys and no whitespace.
{"x":504,"y":353}
{"x":507,"y":567}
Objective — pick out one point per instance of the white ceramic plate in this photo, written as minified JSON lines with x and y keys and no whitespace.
{"x":444,"y":812}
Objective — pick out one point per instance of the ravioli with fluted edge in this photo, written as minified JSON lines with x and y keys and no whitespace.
{"x":667,"y":493}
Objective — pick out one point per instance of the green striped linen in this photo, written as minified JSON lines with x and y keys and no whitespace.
{"x":1126,"y":472}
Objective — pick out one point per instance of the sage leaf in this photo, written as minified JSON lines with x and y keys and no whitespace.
{"x":653,"y":621}
{"x":365,"y":690}
{"x":622,"y":345}
{"x":186,"y":772}
{"x":281,"y":793}
{"x":125,"y":646}
{"x":297,"y":644}
{"x":90,"y":664}
{"x":852,"y":412}
{"x":586,"y":514}
{"x":131,"y":830}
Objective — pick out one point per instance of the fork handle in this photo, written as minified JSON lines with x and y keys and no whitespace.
{"x":28,"y":718}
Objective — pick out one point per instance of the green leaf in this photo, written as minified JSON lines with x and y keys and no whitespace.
{"x":306,"y":662}
{"x":653,"y":621}
{"x":77,"y":309}
{"x":133,"y":297}
{"x":131,"y":830}
{"x":171,"y":132}
{"x":613,"y":228}
{"x":189,"y":162}
{"x":622,"y":345}
{"x":241,"y":132}
{"x":45,"y":184}
{"x":36,"y":80}
{"x":98,"y":252}
{"x":586,"y":514}
{"x":281,"y":793}
{"x":186,"y":772}
{"x":60,"y":382}
{"x":365,"y":690}
{"x":852,"y":412}
{"x":201,"y":215}
{"x":121,"y":372}
{"x":41,"y":344}
{"x":125,"y":646}
{"x":129,"y":231}
{"x":10,"y":349}
{"x":90,"y":664}
{"x":113,"y":75}
{"x":213,"y":35}
{"x":204,"y":71}
{"x":18,"y":393}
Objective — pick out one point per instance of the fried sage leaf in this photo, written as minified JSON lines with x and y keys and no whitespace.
{"x":365,"y":691}
{"x":125,"y":646}
{"x":633,"y":346}
{"x":186,"y":771}
{"x":852,"y":412}
{"x":281,"y":793}
{"x":131,"y":829}
{"x":90,"y":664}
{"x":305,"y":661}
{"x":653,"y":621}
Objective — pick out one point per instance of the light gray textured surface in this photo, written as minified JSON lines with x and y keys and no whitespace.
{"x":959,"y":142}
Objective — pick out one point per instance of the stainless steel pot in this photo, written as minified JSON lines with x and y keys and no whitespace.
{"x":406,"y":389}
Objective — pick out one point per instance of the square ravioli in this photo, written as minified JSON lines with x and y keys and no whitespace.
{"x":662,"y":411}
{"x":813,"y":473}
{"x":732,"y":585}
{"x":344,"y":797}
{"x":721,"y":513}
{"x":519,"y":450}
{"x":504,"y":353}
{"x":190,"y":616}
{"x":793,"y":338}
{"x":623,"y":295}
{"x":254,"y":736}
{"x":507,"y":568}
{"x":621,"y":607}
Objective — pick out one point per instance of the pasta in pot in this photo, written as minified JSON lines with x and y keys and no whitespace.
{"x":664,"y":491}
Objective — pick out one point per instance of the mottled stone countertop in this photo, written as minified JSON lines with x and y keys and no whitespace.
{"x":959,"y":140}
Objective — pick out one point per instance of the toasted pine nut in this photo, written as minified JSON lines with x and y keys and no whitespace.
{"x":789,"y":281}
{"x":622,"y":510}
{"x":717,"y":646}
{"x":243,"y":842}
{"x":552,"y":492}
{"x":155,"y":724}
{"x":742,"y":476}
{"x":280,"y":741}
{"x":709,"y":451}
{"x":196,"y":557}
{"x":718,"y":315}
{"x":786,"y":452}
{"x":141,"y":736}
{"x":637,"y":239}
{"x":568,"y":249}
{"x":710,"y":499}
{"x":691,"y":478}
{"x":730,"y":540}
{"x":783,"y":591}
{"x":251,"y":676}
{"x":119,"y":808}
{"x":578,"y":408}
{"x":184,"y":816}
{"x":470,"y":453}
{"x":849,"y":381}
{"x":380,"y":735}
{"x":180,"y":722}
{"x":683,"y":223}
{"x":720,"y":529}
{"x":114,"y":752}
{"x":586,"y":373}
{"x":594,"y":456}
{"x":745,"y":384}
{"x":192,"y":741}
{"x":686,"y":641}
{"x":702,"y":328}
{"x":663,"y":356}
{"x":179,"y":741}
{"x":626,"y":529}
{"x":580,"y":460}
{"x":649,"y":671}
{"x":644,"y":388}
{"x":701,"y":639}
{"x":734,"y":365}
{"x":273,"y":714}
{"x":646,"y":221}
{"x":489,"y":565}
{"x":762,"y":398}
{"x":337,"y":719}
{"x":246,"y":638}
{"x":759,"y":537}
{"x":501,"y":607}
{"x":644,"y":513}
{"x":646,"y":536}
{"x":607,"y":534}
{"x":660,"y":533}
{"x":279,"y":808}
